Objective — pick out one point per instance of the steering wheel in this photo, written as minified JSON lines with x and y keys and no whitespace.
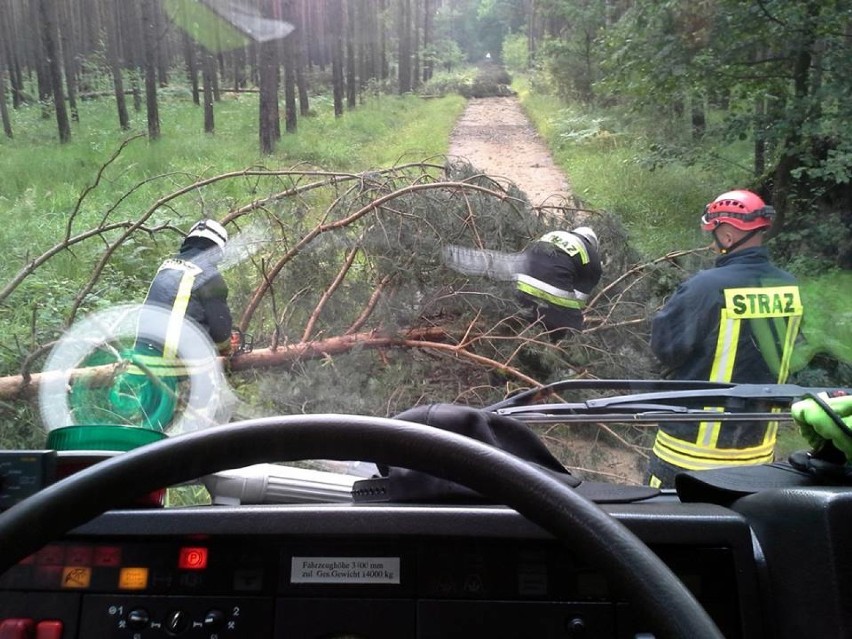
{"x":624,"y":559}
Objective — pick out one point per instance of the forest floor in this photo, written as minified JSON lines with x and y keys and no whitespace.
{"x":495,"y":136}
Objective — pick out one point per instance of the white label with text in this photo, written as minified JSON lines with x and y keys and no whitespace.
{"x":344,"y":570}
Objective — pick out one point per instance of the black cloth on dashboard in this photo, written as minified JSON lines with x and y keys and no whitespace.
{"x":510,"y":435}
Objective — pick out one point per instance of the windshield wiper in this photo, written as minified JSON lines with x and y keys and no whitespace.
{"x":649,"y":401}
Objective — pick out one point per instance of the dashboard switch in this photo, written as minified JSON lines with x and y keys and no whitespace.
{"x":177,"y":622}
{"x":576,"y":628}
{"x":17,"y":629}
{"x":138,"y":618}
{"x":48,"y":630}
{"x":214,"y":620}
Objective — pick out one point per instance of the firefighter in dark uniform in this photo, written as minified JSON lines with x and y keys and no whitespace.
{"x":560,"y":270}
{"x":191,"y":287}
{"x":188,"y":289}
{"x":737,"y":322}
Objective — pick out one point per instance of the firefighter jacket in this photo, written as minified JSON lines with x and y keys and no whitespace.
{"x":560,"y":271}
{"x":737,"y":322}
{"x":191,"y":287}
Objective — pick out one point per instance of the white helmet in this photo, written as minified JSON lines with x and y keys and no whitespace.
{"x":587,"y":233}
{"x":209,"y":230}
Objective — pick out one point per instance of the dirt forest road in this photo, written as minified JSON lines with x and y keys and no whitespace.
{"x":496,"y":137}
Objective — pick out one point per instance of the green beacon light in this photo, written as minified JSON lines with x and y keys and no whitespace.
{"x":107,"y":389}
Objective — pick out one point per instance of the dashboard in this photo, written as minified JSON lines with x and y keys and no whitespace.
{"x":78,"y":565}
{"x":771,"y":567}
{"x":378,"y":571}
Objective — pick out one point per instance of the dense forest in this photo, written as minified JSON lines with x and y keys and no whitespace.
{"x":347,"y":263}
{"x":775,"y":73}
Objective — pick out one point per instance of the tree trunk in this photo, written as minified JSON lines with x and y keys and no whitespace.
{"x":268,"y":52}
{"x":17,"y":387}
{"x":209,"y":71}
{"x":161,"y":49}
{"x":4,"y":109}
{"x":50,"y":42}
{"x":189,"y":56}
{"x":290,"y":121}
{"x":335,"y":12}
{"x":415,"y":47}
{"x":115,"y":64}
{"x":8,"y":54}
{"x":427,"y":39}
{"x":301,"y":53}
{"x":239,"y":59}
{"x":149,"y":41}
{"x":404,"y":75}
{"x":383,"y":44}
{"x":351,"y":75}
{"x":783,"y":184}
{"x":67,"y":39}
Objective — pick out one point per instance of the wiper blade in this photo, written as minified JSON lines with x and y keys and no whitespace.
{"x":651,"y":417}
{"x":663,"y":396}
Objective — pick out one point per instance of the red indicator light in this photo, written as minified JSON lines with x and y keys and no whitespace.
{"x":53,"y":555}
{"x":49,"y":630}
{"x":192,"y":558}
{"x":107,"y":556}
{"x":79,"y":556}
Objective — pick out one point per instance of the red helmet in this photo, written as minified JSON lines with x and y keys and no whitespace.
{"x":741,"y":209}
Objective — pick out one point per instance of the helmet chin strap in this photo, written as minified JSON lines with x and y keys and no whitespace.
{"x":745,"y":238}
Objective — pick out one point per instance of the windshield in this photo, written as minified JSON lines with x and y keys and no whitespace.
{"x":220,"y":210}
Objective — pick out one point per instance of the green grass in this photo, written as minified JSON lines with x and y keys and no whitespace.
{"x":42,"y":180}
{"x":607,"y":166}
{"x":36,"y":168}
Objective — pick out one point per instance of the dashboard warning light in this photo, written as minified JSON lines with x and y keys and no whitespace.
{"x":192,"y":558}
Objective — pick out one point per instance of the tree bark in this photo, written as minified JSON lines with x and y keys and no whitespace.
{"x":50,"y":42}
{"x":404,"y":75}
{"x":209,"y":71}
{"x":268,"y":83}
{"x":351,"y":74}
{"x":336,"y":30}
{"x":427,"y":39}
{"x":290,"y":117}
{"x":15,"y":387}
{"x":189,"y":56}
{"x":4,"y":109}
{"x":415,"y":47}
{"x":301,"y":53}
{"x":115,"y":64}
{"x":149,"y":41}
{"x":68,"y":41}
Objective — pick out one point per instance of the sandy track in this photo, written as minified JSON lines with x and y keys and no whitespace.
{"x":495,"y":136}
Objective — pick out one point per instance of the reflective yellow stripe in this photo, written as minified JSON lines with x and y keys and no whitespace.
{"x":757,"y":306}
{"x":654,"y":481}
{"x":146,"y":365}
{"x":163,"y":370}
{"x":726,"y":348}
{"x":694,"y":457}
{"x":170,"y":348}
{"x":771,"y":431}
{"x":789,"y":345}
{"x":550,"y":298}
{"x":708,"y":432}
